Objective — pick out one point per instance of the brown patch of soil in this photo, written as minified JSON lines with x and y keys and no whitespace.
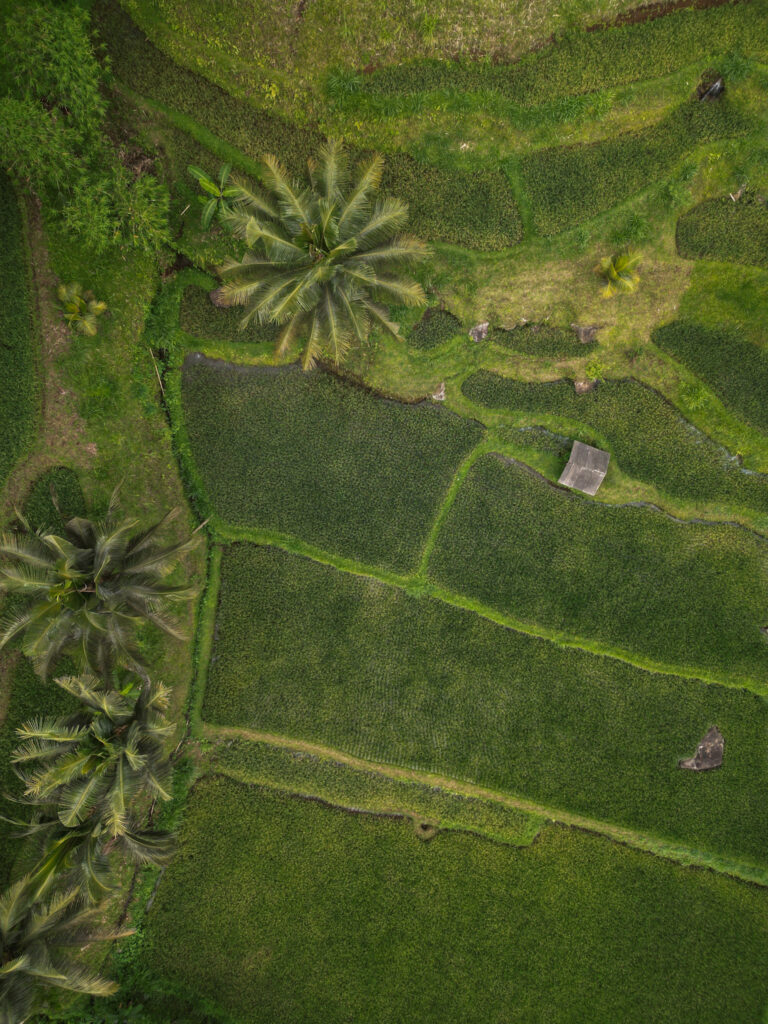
{"x":61,"y":436}
{"x":649,"y":12}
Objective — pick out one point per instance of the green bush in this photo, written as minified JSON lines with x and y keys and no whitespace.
{"x":733,"y":367}
{"x":275,"y":907}
{"x":535,"y":339}
{"x":587,"y":61}
{"x":720,"y":229}
{"x":570,"y":184}
{"x":309,"y":455}
{"x":435,"y":327}
{"x":306,"y":651}
{"x":17,"y":339}
{"x":199,"y":317}
{"x":474,"y":209}
{"x":689,"y":595}
{"x":644,"y":432}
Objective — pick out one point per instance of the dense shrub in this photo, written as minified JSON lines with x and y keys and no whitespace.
{"x":633,"y":579}
{"x":309,"y":455}
{"x":475,"y":209}
{"x":570,"y":184}
{"x":263,"y":882}
{"x":435,"y":327}
{"x":304,"y":650}
{"x":646,"y":435}
{"x":720,"y":229}
{"x":536,"y":339}
{"x":587,"y":61}
{"x":199,"y":317}
{"x":733,"y":367}
{"x":17,"y":343}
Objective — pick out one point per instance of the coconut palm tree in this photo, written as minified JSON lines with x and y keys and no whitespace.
{"x":33,"y":932}
{"x":619,"y":272}
{"x":323,"y":257}
{"x":89,"y":590}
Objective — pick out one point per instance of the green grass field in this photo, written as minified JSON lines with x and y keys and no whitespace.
{"x":309,"y":455}
{"x":354,"y":914}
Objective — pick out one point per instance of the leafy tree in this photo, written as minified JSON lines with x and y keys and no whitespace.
{"x":33,"y":932}
{"x":619,"y":272}
{"x":89,"y":590}
{"x":324,"y":257}
{"x":36,"y":145}
{"x":217,"y":193}
{"x":81,"y":309}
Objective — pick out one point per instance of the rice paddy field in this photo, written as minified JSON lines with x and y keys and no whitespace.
{"x":433,"y":703}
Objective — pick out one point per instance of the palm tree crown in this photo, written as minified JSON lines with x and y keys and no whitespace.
{"x":88,"y":590}
{"x":323,"y":257}
{"x":32,"y":932}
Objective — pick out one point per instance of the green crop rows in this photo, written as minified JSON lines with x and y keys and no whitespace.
{"x":685,"y":594}
{"x":309,"y":455}
{"x":306,"y":651}
{"x":543,"y":340}
{"x":201,"y":319}
{"x":645,"y":434}
{"x":354,"y":914}
{"x":435,"y":327}
{"x":735,"y":368}
{"x":721,"y":229}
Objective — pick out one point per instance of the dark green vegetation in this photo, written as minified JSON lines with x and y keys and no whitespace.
{"x":200,"y":318}
{"x":306,"y":651}
{"x":570,"y":184}
{"x":393,"y":915}
{"x":733,"y":367}
{"x":545,"y":340}
{"x":643,"y":431}
{"x":435,"y":327}
{"x":721,"y":229}
{"x":310,"y":455}
{"x":585,"y":62}
{"x":17,"y":337}
{"x":475,"y":209}
{"x":690,"y":595}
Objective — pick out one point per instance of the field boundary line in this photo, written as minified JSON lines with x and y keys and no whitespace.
{"x":677,"y":852}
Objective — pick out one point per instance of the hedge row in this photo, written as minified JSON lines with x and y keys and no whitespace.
{"x":691,"y":595}
{"x":435,"y":327}
{"x":570,"y":184}
{"x":646,"y":435}
{"x":536,"y":339}
{"x":719,"y":229}
{"x":199,"y":317}
{"x":733,"y":367}
{"x":306,"y":651}
{"x":17,"y":347}
{"x":310,"y":455}
{"x":589,"y":61}
{"x":475,"y":209}
{"x":279,"y":909}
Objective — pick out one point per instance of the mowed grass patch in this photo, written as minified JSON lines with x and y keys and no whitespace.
{"x":643,"y":431}
{"x":724,"y":230}
{"x":276,"y":906}
{"x":17,"y":344}
{"x":326,"y":461}
{"x":735,"y":368}
{"x":305,"y":651}
{"x":689,"y":595}
{"x":570,"y":184}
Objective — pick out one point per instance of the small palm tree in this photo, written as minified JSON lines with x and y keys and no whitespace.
{"x":81,"y":309}
{"x":619,"y":272}
{"x":89,"y":589}
{"x":323,"y":258}
{"x":96,"y":761}
{"x":217,"y":193}
{"x":33,"y":932}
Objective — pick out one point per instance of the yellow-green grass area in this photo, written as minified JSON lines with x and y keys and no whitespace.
{"x":687,"y":595}
{"x":308,"y":454}
{"x":353,"y":917}
{"x":395,"y":676}
{"x":643,"y":431}
{"x":18,"y":342}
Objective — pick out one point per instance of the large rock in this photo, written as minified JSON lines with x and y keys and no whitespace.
{"x":480,"y":331}
{"x":709,"y":753}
